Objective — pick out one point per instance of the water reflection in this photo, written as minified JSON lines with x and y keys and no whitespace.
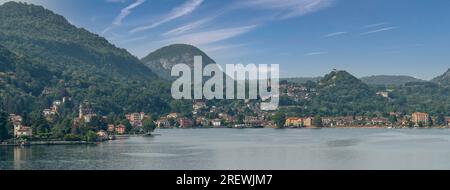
{"x":21,"y":156}
{"x":246,"y":149}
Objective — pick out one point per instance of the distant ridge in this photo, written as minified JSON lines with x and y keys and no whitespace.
{"x":389,"y":80}
{"x":301,"y":80}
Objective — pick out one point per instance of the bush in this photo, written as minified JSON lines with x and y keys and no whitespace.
{"x":71,"y":137}
{"x":91,"y":136}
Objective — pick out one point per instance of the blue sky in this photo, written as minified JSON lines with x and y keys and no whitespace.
{"x":306,"y":37}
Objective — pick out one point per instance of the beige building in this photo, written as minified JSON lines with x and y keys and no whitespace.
{"x":20,"y":131}
{"x":308,"y":122}
{"x":419,"y":117}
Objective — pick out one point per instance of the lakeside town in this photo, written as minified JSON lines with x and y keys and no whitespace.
{"x":204,"y":115}
{"x":175,"y":120}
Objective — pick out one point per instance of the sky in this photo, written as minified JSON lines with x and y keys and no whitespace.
{"x":307,"y":38}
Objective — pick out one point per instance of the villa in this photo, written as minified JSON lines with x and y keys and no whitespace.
{"x":294,"y":122}
{"x":20,"y":131}
{"x":120,"y":129}
{"x":111,"y":128}
{"x":419,"y":117}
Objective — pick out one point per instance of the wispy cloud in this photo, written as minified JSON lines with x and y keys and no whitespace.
{"x":183,"y":10}
{"x":188,"y":27}
{"x":334,"y":34}
{"x":126,"y":11}
{"x":315,"y":53}
{"x":289,"y":8}
{"x":215,"y":48}
{"x":375,"y":25}
{"x":379,"y":30}
{"x":207,"y":37}
{"x":123,"y":13}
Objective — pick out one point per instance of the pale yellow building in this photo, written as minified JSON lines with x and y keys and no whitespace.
{"x":419,"y":117}
{"x":294,"y":122}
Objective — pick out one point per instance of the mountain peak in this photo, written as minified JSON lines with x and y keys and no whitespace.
{"x":338,"y":76}
{"x":31,"y":11}
{"x":37,"y":32}
{"x":162,"y":60}
{"x":443,"y":79}
{"x":177,"y":49}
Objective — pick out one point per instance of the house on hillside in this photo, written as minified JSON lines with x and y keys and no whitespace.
{"x":20,"y":131}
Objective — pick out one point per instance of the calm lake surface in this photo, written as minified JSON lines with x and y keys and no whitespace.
{"x":187,"y":149}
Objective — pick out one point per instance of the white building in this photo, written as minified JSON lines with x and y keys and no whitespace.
{"x":20,"y":131}
{"x":216,"y":123}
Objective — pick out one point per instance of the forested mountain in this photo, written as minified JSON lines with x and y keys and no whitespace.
{"x":389,"y":80}
{"x":340,"y":93}
{"x":422,"y":96}
{"x":43,"y":58}
{"x":21,"y":81}
{"x":444,"y":79}
{"x":162,"y":60}
{"x":87,"y":65}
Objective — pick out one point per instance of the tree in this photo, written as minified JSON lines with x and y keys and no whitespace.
{"x":149,"y":125}
{"x":393,"y":119}
{"x":40,"y":125}
{"x":440,"y":120}
{"x":62,"y":128}
{"x":127,"y":124}
{"x":91,"y":136}
{"x":409,"y":123}
{"x":5,"y":125}
{"x":421,"y":125}
{"x":430,"y":121}
{"x":280,"y":119}
{"x":317,"y":121}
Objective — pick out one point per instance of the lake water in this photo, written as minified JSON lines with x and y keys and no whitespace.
{"x":188,"y":149}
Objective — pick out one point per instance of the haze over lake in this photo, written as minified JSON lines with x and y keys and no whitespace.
{"x":247,"y":149}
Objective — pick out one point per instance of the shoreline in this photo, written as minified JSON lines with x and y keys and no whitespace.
{"x":48,"y":143}
{"x":338,"y":127}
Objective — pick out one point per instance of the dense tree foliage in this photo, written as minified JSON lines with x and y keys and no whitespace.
{"x":50,"y":53}
{"x":341,"y":94}
{"x":5,"y":126}
{"x":279,"y":118}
